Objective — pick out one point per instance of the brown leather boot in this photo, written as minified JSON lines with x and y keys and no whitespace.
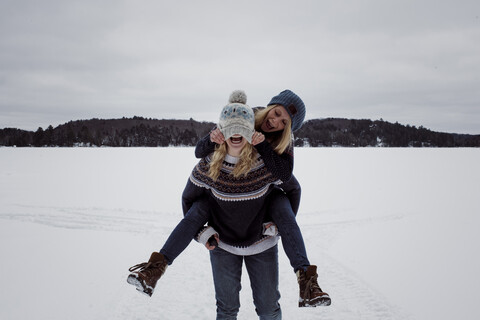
{"x":148,"y":273}
{"x":310,"y":293}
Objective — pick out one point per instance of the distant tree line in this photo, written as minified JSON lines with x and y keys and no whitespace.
{"x":367,"y":133}
{"x":125,"y":132}
{"x":142,"y":132}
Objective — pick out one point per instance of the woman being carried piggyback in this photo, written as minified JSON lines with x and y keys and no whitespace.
{"x":228,"y":188}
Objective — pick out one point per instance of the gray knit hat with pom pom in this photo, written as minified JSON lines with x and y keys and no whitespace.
{"x":237,"y":117}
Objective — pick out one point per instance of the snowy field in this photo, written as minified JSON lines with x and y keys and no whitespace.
{"x":393,"y":231}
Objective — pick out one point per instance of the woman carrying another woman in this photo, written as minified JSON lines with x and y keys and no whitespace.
{"x":274,"y":125}
{"x":229,"y":188}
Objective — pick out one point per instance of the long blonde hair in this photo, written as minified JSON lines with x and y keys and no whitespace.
{"x":283,"y":140}
{"x":242,"y":167}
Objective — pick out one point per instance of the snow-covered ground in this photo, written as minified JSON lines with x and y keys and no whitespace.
{"x":393,"y":231}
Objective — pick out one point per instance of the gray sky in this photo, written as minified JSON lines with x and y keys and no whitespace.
{"x":415,"y":62}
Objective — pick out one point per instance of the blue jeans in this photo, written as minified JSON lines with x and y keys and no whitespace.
{"x":195,"y":218}
{"x":282,"y":214}
{"x":262,"y":269}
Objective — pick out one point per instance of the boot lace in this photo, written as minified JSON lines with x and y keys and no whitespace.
{"x":311,"y":286}
{"x":148,"y":268}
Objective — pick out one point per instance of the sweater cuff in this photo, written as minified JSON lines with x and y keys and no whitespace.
{"x":210,"y":143}
{"x":205,"y":234}
{"x":271,"y":230}
{"x":261,"y":147}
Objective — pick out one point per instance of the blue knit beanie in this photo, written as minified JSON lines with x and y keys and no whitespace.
{"x":294,"y":106}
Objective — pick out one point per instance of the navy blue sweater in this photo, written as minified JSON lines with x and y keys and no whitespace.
{"x":238,"y":205}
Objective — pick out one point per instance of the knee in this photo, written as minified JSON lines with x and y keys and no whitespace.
{"x":267,"y":303}
{"x":280,"y":203}
{"x":283,"y":215}
{"x":228,"y":303}
{"x":269,"y":311}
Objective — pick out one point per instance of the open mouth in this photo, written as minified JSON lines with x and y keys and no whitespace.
{"x":237,"y":139}
{"x":268,"y":125}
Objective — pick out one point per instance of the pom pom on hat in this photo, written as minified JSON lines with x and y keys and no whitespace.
{"x":237,"y":117}
{"x":238,"y":96}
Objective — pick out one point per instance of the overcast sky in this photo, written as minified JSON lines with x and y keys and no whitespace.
{"x":415,"y":62}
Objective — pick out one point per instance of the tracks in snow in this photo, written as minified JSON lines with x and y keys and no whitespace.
{"x":352,"y":298}
{"x":92,"y":218}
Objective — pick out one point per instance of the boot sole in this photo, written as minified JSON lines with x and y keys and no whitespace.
{"x":139,"y":285}
{"x":324,"y":301}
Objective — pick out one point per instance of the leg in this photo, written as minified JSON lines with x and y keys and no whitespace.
{"x":145,"y":275}
{"x":263,"y":272}
{"x":227,"y":272}
{"x":310,"y":292}
{"x":282,"y":214}
{"x":186,"y":230}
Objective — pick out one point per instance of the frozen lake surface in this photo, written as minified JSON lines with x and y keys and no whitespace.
{"x":394,"y":233}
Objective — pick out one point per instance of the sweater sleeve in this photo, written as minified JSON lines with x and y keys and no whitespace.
{"x":280,"y":165}
{"x":204,"y":147}
{"x":190,"y":194}
{"x":204,"y":234}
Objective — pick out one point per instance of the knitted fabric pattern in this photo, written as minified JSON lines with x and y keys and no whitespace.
{"x":228,"y":188}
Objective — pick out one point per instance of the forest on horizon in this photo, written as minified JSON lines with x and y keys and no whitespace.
{"x":148,"y":132}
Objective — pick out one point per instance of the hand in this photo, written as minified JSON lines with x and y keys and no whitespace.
{"x":217,"y":136}
{"x":268,"y":225}
{"x":269,"y":229}
{"x":211,"y":242}
{"x":257,"y":138}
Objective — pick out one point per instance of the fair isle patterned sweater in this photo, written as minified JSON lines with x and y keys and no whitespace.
{"x":238,"y":205}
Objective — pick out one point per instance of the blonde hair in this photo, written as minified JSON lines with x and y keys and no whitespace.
{"x":243,"y":166}
{"x":283,"y":140}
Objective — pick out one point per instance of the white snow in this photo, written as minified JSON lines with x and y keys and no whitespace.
{"x":394,"y":233}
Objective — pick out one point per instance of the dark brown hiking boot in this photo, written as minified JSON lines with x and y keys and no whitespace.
{"x":310,"y":293}
{"x":148,"y":273}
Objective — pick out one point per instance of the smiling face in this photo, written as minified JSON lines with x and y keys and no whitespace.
{"x":235,"y":145}
{"x":276,"y":120}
